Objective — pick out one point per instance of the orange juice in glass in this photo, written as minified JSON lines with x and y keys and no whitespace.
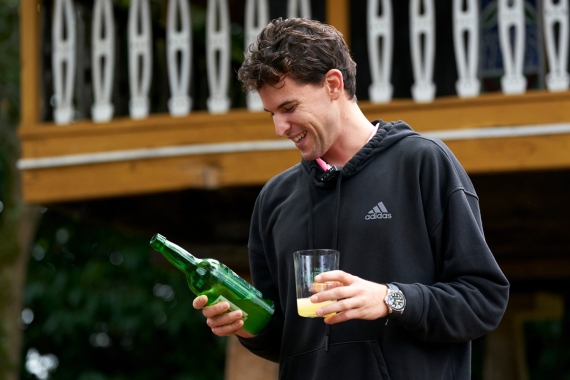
{"x":308,"y":264}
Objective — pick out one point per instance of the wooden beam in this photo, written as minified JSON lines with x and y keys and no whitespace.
{"x":488,"y":110}
{"x":30,"y":61}
{"x":157,"y":130}
{"x":338,"y":15}
{"x":88,"y":181}
{"x":513,"y":154}
{"x":153,"y":175}
{"x":255,"y":168}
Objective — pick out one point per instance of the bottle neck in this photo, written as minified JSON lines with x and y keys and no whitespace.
{"x":178,"y":256}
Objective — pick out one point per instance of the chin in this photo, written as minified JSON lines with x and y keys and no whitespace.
{"x":309,"y":156}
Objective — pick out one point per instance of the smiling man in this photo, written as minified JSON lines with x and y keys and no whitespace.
{"x":398,"y":206}
{"x":320,"y":119}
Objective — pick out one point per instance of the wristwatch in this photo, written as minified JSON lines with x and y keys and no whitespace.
{"x":395,"y":300}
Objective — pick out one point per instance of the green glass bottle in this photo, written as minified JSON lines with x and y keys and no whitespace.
{"x":219,"y":283}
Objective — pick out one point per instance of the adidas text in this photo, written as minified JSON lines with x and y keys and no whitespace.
{"x":378,"y":216}
{"x":378,"y":212}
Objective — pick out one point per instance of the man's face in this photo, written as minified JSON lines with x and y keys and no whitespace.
{"x":304,"y":113}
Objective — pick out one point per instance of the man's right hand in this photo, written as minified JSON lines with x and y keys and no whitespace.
{"x":219,"y":320}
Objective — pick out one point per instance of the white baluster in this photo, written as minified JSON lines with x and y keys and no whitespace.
{"x":179,"y":42}
{"x":557,"y":78}
{"x":140,"y":58}
{"x":253,"y":26}
{"x":466,"y":22}
{"x":423,"y":89}
{"x":103,"y":51}
{"x":380,"y":30}
{"x":63,"y":60}
{"x":294,"y":11}
{"x":218,"y":46}
{"x":512,"y":17}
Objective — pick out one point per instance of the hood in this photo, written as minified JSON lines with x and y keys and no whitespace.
{"x":389,"y":133}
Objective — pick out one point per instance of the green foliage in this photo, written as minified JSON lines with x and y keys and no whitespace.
{"x":109,"y":307}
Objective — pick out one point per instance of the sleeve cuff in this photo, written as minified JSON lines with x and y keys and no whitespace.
{"x":414,"y":310}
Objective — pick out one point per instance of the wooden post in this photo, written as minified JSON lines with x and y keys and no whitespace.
{"x":30,"y":65}
{"x":505,"y":352}
{"x":338,"y":15}
{"x":243,"y":365}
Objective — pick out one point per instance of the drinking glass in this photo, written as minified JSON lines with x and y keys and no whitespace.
{"x":308,"y":264}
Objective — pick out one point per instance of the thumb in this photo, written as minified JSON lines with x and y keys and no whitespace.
{"x":199,"y":302}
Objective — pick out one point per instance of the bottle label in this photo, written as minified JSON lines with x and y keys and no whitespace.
{"x":232,"y":306}
{"x":237,"y":284}
{"x":246,"y":285}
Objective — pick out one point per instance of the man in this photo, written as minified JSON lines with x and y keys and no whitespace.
{"x":399,"y":208}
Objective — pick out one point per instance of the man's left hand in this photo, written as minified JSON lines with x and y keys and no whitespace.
{"x":356,"y":298}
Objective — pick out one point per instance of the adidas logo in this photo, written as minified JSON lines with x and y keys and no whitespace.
{"x":378,"y":212}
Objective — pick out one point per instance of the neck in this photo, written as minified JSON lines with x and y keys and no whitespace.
{"x":355,"y":132}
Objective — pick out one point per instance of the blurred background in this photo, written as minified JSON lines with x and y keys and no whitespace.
{"x":82,"y":190}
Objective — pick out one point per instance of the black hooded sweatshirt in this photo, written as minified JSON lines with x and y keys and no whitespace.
{"x":401,"y":211}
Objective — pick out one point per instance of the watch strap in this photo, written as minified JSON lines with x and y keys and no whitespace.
{"x":393,"y":290}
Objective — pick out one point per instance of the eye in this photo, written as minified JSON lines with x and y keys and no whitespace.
{"x":289,"y":109}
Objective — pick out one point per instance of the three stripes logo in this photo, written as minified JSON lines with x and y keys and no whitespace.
{"x":378,"y":212}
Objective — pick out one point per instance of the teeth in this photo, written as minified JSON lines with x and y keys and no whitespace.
{"x":299,"y":137}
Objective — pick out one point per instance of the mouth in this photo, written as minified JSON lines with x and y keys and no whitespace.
{"x":299,"y":137}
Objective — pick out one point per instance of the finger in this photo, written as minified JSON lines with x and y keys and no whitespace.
{"x":325,"y":311}
{"x":341,"y":311}
{"x":317,"y":287}
{"x":200,"y":302}
{"x":340,"y":317}
{"x":226,"y":330}
{"x":336,"y":275}
{"x":333,"y":308}
{"x":333,"y":284}
{"x":213,"y":310}
{"x":224,"y":319}
{"x":334,"y":294}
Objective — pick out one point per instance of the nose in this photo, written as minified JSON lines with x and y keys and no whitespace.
{"x":281,"y":125}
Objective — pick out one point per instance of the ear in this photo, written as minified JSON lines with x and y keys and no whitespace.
{"x":334,"y":83}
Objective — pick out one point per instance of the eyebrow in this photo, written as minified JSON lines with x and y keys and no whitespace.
{"x":286,"y":102}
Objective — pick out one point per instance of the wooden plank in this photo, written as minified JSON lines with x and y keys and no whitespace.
{"x":488,"y":110}
{"x":156,"y":131}
{"x":255,"y":168}
{"x":30,"y":61}
{"x":338,"y":15}
{"x":513,"y":154}
{"x":153,"y":175}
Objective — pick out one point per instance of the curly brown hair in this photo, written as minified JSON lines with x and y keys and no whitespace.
{"x":304,"y":50}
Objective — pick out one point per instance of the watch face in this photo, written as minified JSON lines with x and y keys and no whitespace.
{"x":396,"y":300}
